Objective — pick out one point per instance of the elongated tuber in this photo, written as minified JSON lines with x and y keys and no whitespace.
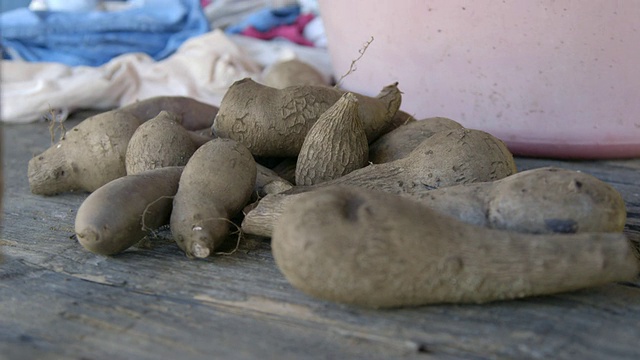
{"x":216,"y":184}
{"x":374,"y":249}
{"x":544,"y":200}
{"x":447,"y":158}
{"x":123,"y":211}
{"x":274,"y":122}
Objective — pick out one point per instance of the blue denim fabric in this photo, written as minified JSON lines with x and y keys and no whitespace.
{"x":266,"y":19}
{"x":93,"y":38}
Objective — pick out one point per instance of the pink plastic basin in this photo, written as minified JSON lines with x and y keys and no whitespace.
{"x":550,"y":78}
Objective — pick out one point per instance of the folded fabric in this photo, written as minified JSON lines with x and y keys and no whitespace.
{"x":266,"y":19}
{"x":309,"y":6}
{"x":93,"y":38}
{"x":225,"y":13}
{"x":314,"y":32}
{"x":293,"y":32}
{"x":203,"y":68}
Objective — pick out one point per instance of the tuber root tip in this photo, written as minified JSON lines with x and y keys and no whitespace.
{"x":200,"y":251}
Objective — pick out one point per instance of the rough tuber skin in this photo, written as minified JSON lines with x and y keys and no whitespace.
{"x":89,"y":155}
{"x":260,"y":217}
{"x":335,"y":145}
{"x":380,"y":250}
{"x":123,"y":211}
{"x":274,"y":122}
{"x":447,"y":158}
{"x":159,"y":142}
{"x":195,"y":115}
{"x":537,"y":201}
{"x":399,"y":119}
{"x":399,"y":142}
{"x":216,"y":184}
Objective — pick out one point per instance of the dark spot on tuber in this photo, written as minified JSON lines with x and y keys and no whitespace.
{"x":563,"y":226}
{"x":351,"y":207}
{"x":575,"y":185}
{"x":428,"y":187}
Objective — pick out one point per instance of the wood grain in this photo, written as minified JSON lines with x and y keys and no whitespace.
{"x":58,"y":301}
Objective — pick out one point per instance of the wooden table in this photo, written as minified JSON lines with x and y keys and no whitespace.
{"x":57,"y":300}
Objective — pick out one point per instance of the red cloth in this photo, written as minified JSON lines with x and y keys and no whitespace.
{"x":292,"y":32}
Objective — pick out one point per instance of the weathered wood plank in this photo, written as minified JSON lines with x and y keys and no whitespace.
{"x":59,"y":301}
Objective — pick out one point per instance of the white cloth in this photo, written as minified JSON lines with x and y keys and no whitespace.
{"x":203,"y":68}
{"x":222,"y":13}
{"x":314,"y":32}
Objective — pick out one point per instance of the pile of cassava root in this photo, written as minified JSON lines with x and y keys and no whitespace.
{"x":364,"y":205}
